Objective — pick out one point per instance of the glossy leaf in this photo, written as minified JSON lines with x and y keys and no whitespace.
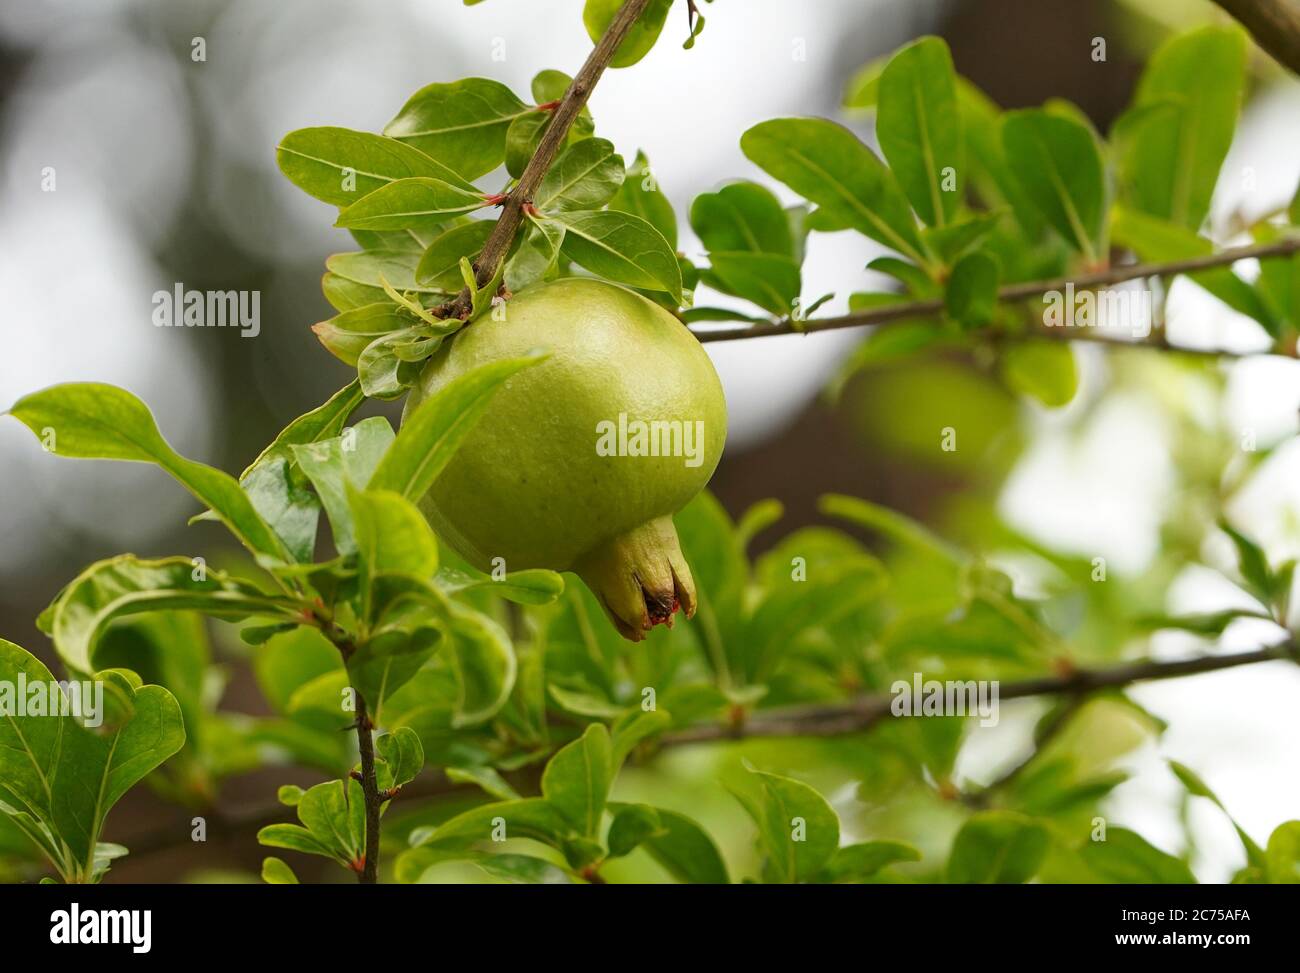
{"x":797,"y":829}
{"x":333,"y":464}
{"x":1171,"y":157}
{"x":124,"y":585}
{"x":439,"y":267}
{"x":641,"y":195}
{"x":462,"y":124}
{"x":339,"y":166}
{"x":597,"y":15}
{"x":578,"y":778}
{"x":403,"y":753}
{"x":622,"y":248}
{"x":91,"y":421}
{"x":417,"y":204}
{"x":1056,"y":161}
{"x":585,"y":177}
{"x":828,"y":165}
{"x":919,"y":128}
{"x":971,"y":295}
{"x":1045,"y":370}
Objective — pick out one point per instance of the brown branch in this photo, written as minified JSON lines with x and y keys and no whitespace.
{"x":564,"y":115}
{"x":1019,"y":292}
{"x":821,"y":720}
{"x":864,"y":713}
{"x":1275,"y":25}
{"x":369,"y":874}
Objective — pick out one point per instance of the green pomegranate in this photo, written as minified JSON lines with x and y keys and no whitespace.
{"x":580,"y":462}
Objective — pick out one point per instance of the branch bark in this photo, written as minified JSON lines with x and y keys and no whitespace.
{"x":856,"y":717}
{"x":369,"y":874}
{"x":565,"y":114}
{"x":1275,"y":25}
{"x":864,"y":713}
{"x":1020,"y":292}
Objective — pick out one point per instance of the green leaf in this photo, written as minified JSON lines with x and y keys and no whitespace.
{"x":29,"y":745}
{"x":622,"y":248}
{"x":857,"y":863}
{"x":797,"y":830}
{"x":971,"y":296}
{"x":95,"y":770}
{"x":431,"y":434}
{"x":585,"y":177}
{"x":323,"y":422}
{"x":1251,"y":563}
{"x":633,"y":824}
{"x":769,"y":280}
{"x":641,"y":196}
{"x":1126,"y":857}
{"x":484,"y":663}
{"x":828,"y":165}
{"x":462,"y":124}
{"x":1170,"y":158}
{"x":1282,"y":859}
{"x":632,"y":730}
{"x":403,"y":753}
{"x":597,"y":15}
{"x":392,"y":537}
{"x":920,"y":130}
{"x":551,"y":85}
{"x":339,"y":166}
{"x":124,"y":585}
{"x":998,"y":847}
{"x":375,"y":268}
{"x":536,"y":257}
{"x":743,"y":217}
{"x":522,"y":139}
{"x":332,"y":464}
{"x":577,"y":779}
{"x":1058,"y":165}
{"x":684,"y":850}
{"x":1158,"y":240}
{"x":344,"y":294}
{"x":415,"y":204}
{"x":530,"y":817}
{"x":276,"y":872}
{"x":1198,"y":788}
{"x":349,"y":333}
{"x":294,"y":837}
{"x":1045,"y":370}
{"x":334,"y":814}
{"x":535,"y":586}
{"x":487,"y":778}
{"x":439,"y":266}
{"x":91,"y":421}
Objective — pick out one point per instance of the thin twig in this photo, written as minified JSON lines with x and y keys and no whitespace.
{"x":821,"y":721}
{"x":864,"y":713}
{"x":369,"y":874}
{"x":564,"y":115}
{"x":1275,"y":25}
{"x":1020,"y":292}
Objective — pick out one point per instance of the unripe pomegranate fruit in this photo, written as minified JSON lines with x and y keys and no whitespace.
{"x":579,"y":463}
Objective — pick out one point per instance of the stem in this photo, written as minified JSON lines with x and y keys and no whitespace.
{"x":370,"y":788}
{"x":1275,"y":25}
{"x":564,"y":115}
{"x":864,"y":713}
{"x":1020,"y":292}
{"x":820,"y":720}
